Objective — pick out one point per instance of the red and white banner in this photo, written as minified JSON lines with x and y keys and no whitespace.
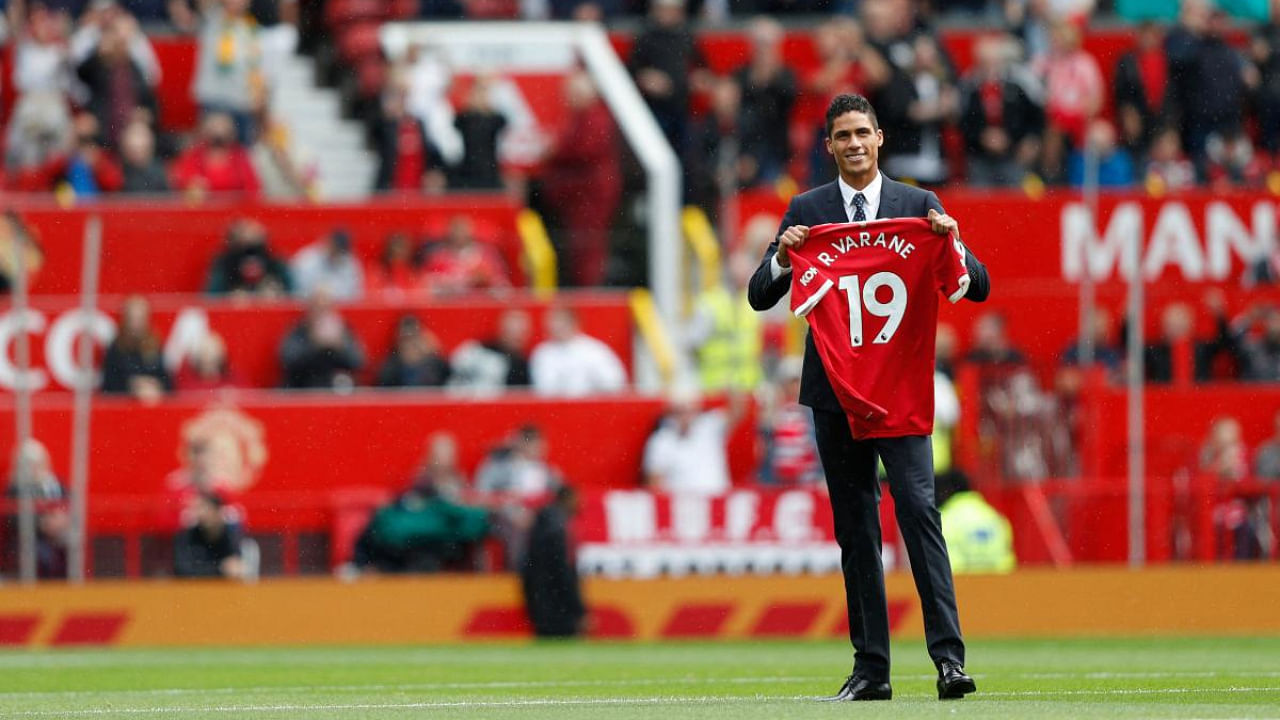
{"x":638,"y":533}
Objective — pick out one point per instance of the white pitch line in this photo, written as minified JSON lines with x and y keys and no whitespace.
{"x":634,"y":682}
{"x":568,"y":702}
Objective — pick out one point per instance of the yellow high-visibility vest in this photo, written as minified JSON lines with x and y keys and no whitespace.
{"x":979,"y":539}
{"x":730,"y":357}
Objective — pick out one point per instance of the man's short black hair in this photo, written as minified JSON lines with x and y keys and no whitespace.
{"x":846,"y":103}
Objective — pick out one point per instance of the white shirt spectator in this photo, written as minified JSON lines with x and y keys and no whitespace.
{"x":692,"y":462}
{"x":581,"y":365}
{"x":314,"y":268}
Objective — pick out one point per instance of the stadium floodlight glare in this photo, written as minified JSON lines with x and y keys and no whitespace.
{"x":510,"y":47}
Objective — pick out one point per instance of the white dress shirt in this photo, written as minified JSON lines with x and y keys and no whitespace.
{"x":579,"y":366}
{"x":871,"y":207}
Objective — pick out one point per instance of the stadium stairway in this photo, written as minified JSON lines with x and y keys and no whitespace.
{"x":333,"y":145}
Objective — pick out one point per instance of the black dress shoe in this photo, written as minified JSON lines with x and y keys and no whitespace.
{"x":857,"y":687}
{"x":953,"y":684}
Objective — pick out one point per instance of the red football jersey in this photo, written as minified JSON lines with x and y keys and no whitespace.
{"x":870,"y":294}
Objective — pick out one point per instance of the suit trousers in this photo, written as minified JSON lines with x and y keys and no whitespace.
{"x":851,"y":470}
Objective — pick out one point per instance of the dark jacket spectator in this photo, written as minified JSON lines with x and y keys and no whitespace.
{"x":549,"y":575}
{"x":415,"y":361}
{"x":321,"y":351}
{"x":1177,"y":357}
{"x":118,"y":89}
{"x":1266,"y":55}
{"x":1260,"y":346}
{"x":501,"y":361}
{"x":479,"y":125}
{"x":133,"y":362}
{"x":768,"y":95}
{"x":217,"y":163}
{"x":1140,"y":86}
{"x":210,"y":547}
{"x":248,"y":265}
{"x":1001,"y":117}
{"x":663,"y":60}
{"x":712,"y":159}
{"x":407,"y":161}
{"x":143,"y":172}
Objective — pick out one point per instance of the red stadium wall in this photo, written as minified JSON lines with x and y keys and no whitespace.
{"x":167,"y":247}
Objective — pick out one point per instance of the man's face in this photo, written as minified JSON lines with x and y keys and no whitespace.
{"x":855,"y":144}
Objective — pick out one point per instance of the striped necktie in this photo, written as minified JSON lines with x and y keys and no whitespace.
{"x":859,"y":203}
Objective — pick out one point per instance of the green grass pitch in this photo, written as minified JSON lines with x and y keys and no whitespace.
{"x":1141,"y":678}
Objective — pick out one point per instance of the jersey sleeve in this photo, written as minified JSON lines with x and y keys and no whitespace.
{"x":951,"y":273}
{"x":808,"y":285}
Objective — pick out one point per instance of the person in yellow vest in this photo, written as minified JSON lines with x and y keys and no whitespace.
{"x":725,"y":333}
{"x":979,"y":539}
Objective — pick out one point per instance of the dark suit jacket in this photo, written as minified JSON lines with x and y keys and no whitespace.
{"x":825,"y":205}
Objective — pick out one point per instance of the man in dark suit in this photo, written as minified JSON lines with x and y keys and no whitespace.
{"x":861,"y":193}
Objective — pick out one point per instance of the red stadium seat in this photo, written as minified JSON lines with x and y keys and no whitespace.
{"x":359,"y":42}
{"x":492,"y":9}
{"x":404,"y":9}
{"x":340,"y":13}
{"x":351,"y":508}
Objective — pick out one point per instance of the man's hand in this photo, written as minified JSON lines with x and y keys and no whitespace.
{"x":943,"y":224}
{"x":792,"y":237}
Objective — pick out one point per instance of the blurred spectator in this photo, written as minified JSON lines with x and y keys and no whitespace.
{"x":712,"y":163}
{"x":847,"y":63}
{"x":460,"y":263}
{"x":1177,"y":357}
{"x":479,"y":125}
{"x":427,"y":78}
{"x":134,"y":361}
{"x":1266,"y":464}
{"x":15,"y":234}
{"x":247,"y":266}
{"x":666,"y":63}
{"x":946,"y":415}
{"x":407,"y":161}
{"x":40,"y":124}
{"x":518,"y":467}
{"x":329,"y":266}
{"x":208,"y":466}
{"x":397,"y":272}
{"x":1140,"y":85}
{"x":1030,"y":21}
{"x":216,"y":163}
{"x":280,"y":170}
{"x":206,"y":368}
{"x":725,"y":333}
{"x":440,"y":467}
{"x":415,"y":360}
{"x":1168,"y":169}
{"x":1229,"y":160}
{"x":321,"y":351}
{"x":549,"y":573}
{"x":1212,"y":78}
{"x":571,"y":363}
{"x":1115,"y":164}
{"x":991,"y":345}
{"x":1182,"y":45}
{"x":945,"y":350}
{"x":120,"y":73}
{"x":499,"y":362}
{"x":1001,"y":116}
{"x":687,"y":453}
{"x":1259,"y":336}
{"x":143,"y":172}
{"x":211,"y":546}
{"x":790,"y":445}
{"x":229,"y":72}
{"x":87,"y":169}
{"x":582,"y":182}
{"x":1105,"y":351}
{"x":32,"y":476}
{"x":936,"y":101}
{"x":768,"y":93}
{"x":421,"y":531}
{"x":979,"y":539}
{"x":1074,"y":93}
{"x":1224,"y":458}
{"x":1265,"y":53}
